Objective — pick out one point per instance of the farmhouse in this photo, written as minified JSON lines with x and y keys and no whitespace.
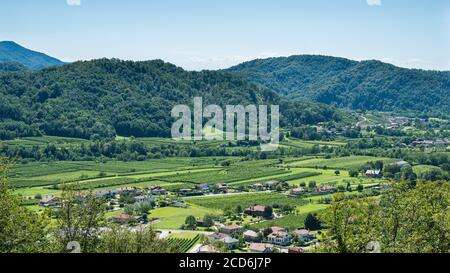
{"x":277,"y":229}
{"x":222,"y":187}
{"x":50,"y":201}
{"x":144,"y":199}
{"x":121,"y":219}
{"x":280,"y":238}
{"x":260,"y":248}
{"x":304,"y":235}
{"x":251,"y":236}
{"x":179,"y":205}
{"x":105,"y":194}
{"x":297,"y":192}
{"x":233,"y":229}
{"x":125,"y":190}
{"x":271,"y":183}
{"x":230,"y":242}
{"x":207,"y":249}
{"x":218,"y":236}
{"x":374,"y":173}
{"x":255,"y":210}
{"x":324,"y":190}
{"x":257,"y":186}
{"x":295,"y":250}
{"x":157,"y":190}
{"x":203,"y":187}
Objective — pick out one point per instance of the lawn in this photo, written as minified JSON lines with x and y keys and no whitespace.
{"x":293,"y":221}
{"x":174,"y":218}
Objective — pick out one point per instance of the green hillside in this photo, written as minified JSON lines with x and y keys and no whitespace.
{"x":366,"y":85}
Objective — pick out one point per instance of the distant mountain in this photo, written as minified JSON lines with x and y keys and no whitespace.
{"x":367,"y":85}
{"x":103,"y":98}
{"x":12,"y":52}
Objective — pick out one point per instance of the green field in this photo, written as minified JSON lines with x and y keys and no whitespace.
{"x":245,"y":200}
{"x":342,"y":163}
{"x":173,"y":218}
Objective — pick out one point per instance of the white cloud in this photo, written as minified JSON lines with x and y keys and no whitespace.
{"x":374,"y":2}
{"x":73,"y":2}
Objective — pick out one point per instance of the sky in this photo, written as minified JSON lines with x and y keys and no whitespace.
{"x":213,"y":34}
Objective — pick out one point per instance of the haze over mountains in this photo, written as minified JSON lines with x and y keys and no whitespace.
{"x":11,"y":52}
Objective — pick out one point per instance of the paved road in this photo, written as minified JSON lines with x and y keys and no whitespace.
{"x":224,"y":194}
{"x":166,"y":232}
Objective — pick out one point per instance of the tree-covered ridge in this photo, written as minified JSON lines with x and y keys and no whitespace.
{"x":366,"y":85}
{"x":105,"y":97}
{"x":12,"y":52}
{"x":12,"y":67}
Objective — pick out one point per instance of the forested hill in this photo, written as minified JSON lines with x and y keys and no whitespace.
{"x":13,"y":52}
{"x":367,"y":85}
{"x":102,"y":98}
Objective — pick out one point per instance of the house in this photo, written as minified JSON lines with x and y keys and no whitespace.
{"x":251,"y":236}
{"x":255,"y":210}
{"x":232,"y":230}
{"x":374,"y":173}
{"x":297,"y":192}
{"x":271,"y":183}
{"x":50,"y":201}
{"x":230,"y":242}
{"x":304,"y":235}
{"x":218,"y":236}
{"x":295,"y":250}
{"x":144,"y":199}
{"x":277,"y":229}
{"x":206,"y":249}
{"x":203,"y":187}
{"x":260,"y":248}
{"x":121,"y":219}
{"x":125,"y":190}
{"x":222,"y":187}
{"x":157,"y":190}
{"x":324,"y":190}
{"x":281,"y":238}
{"x":257,"y":186}
{"x":185,"y":191}
{"x":105,"y":194}
{"x":179,"y":205}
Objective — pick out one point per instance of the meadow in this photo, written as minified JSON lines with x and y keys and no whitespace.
{"x":245,"y":200}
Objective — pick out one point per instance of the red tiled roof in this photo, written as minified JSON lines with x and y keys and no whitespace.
{"x":232,"y":227}
{"x":259,"y":246}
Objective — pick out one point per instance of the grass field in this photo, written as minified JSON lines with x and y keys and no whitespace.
{"x":173,"y":218}
{"x":342,"y":163}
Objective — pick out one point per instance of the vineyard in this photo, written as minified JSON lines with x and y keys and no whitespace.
{"x":226,"y":175}
{"x":184,"y":244}
{"x":246,"y":200}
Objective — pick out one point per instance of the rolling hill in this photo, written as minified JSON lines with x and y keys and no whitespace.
{"x":366,"y":85}
{"x":103,"y":98}
{"x":10,"y":52}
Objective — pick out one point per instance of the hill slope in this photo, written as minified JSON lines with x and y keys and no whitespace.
{"x":12,"y":52}
{"x":102,"y":98}
{"x":367,"y":85}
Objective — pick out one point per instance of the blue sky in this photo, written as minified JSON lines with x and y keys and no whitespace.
{"x":210,"y":34}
